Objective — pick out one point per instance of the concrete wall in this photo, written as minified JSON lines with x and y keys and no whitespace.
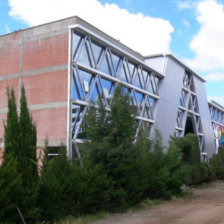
{"x":169,"y":92}
{"x":209,"y":144}
{"x":157,"y":62}
{"x":168,"y":104}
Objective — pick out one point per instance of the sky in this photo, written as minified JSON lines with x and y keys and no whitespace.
{"x":192,"y":30}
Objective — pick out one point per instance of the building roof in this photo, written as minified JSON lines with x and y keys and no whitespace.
{"x":178,"y":61}
{"x":62,"y":26}
{"x":64,"y":23}
{"x":217,"y":105}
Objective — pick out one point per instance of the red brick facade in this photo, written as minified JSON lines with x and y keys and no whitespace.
{"x":37,"y":58}
{"x":45,"y":53}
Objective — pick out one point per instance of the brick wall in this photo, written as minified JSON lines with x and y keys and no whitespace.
{"x":38,"y":60}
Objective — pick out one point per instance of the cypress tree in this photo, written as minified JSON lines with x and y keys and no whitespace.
{"x":20,"y":138}
{"x":27,"y":143}
{"x":20,"y":145}
{"x":12,"y":127}
{"x":10,"y":190}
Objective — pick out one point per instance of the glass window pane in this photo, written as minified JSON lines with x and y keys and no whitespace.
{"x":116,"y":60}
{"x":84,"y":56}
{"x":97,"y":51}
{"x":76,"y":43}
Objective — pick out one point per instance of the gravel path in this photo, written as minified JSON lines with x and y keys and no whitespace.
{"x":205,"y":206}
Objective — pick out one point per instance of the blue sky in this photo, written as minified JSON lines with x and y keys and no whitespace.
{"x":192,"y":30}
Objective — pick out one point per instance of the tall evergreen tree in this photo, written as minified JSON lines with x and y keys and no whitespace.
{"x":11,"y":127}
{"x":10,"y":190}
{"x":20,"y":146}
{"x":121,"y":120}
{"x":27,"y":143}
{"x":20,"y":138}
{"x":110,"y":146}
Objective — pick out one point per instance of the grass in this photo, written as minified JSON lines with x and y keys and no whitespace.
{"x":85,"y":219}
{"x":145,"y":204}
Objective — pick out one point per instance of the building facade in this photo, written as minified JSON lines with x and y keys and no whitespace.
{"x":64,"y":65}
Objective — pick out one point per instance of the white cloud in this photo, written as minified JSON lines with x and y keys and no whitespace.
{"x":186,"y":23}
{"x":144,"y":34}
{"x":7,"y":29}
{"x":208,"y":43}
{"x":215,"y":76}
{"x":181,"y":5}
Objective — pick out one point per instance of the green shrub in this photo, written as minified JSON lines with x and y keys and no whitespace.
{"x":67,"y":189}
{"x":204,"y":172}
{"x":217,"y":161}
{"x":211,"y":173}
{"x":10,"y":191}
{"x":166,"y":173}
{"x":55,"y":188}
{"x":178,"y":172}
{"x":157,"y":170}
{"x":189,"y":148}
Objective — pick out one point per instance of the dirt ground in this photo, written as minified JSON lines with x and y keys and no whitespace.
{"x":205,"y":205}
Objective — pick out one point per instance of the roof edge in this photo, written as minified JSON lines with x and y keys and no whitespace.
{"x":39,"y":25}
{"x":178,"y":61}
{"x":215,"y":104}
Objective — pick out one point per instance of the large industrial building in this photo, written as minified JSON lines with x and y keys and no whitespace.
{"x":68,"y":63}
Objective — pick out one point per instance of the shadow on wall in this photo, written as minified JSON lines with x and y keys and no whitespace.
{"x":189,"y":128}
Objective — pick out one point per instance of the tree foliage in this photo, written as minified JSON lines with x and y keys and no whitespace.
{"x":119,"y":168}
{"x":189,"y":147}
{"x":20,"y":146}
{"x":10,"y":190}
{"x":217,"y":161}
{"x":20,"y":138}
{"x":11,"y":137}
{"x":27,"y":143}
{"x":110,"y":146}
{"x":136,"y":166}
{"x":67,"y":189}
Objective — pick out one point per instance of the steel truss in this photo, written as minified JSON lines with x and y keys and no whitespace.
{"x":188,"y":105}
{"x":95,"y":69}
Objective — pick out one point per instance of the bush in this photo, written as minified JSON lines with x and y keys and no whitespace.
{"x":217,"y":161}
{"x":211,"y":173}
{"x":167,"y":173}
{"x":68,"y":189}
{"x":188,"y":145}
{"x":178,"y":172}
{"x":10,"y":191}
{"x":55,"y":188}
{"x":204,"y":172}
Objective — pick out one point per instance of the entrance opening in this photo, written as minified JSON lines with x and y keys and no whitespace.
{"x":189,"y":128}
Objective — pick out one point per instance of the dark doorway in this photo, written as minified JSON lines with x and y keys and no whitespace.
{"x":189,"y":128}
